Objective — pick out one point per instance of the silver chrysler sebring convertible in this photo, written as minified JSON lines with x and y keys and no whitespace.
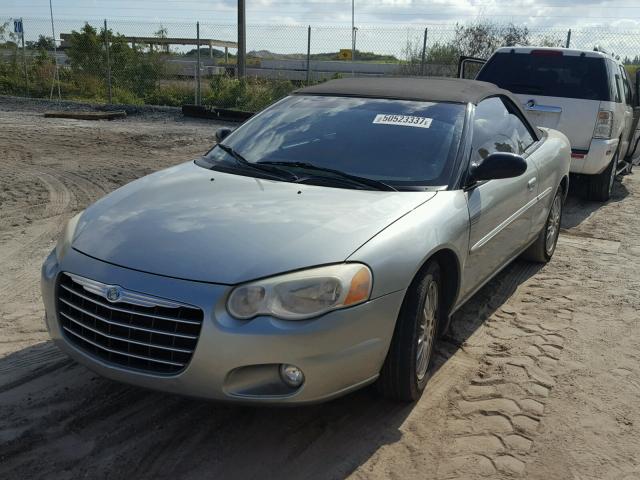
{"x":321,"y":246}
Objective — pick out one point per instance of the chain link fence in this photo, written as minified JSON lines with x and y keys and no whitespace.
{"x":129,"y":62}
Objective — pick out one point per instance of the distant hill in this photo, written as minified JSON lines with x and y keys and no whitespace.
{"x":360,"y":56}
{"x":266,"y":54}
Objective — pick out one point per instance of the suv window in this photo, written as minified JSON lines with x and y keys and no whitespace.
{"x":548,"y":73}
{"x":614,"y":81}
{"x":496,"y":128}
{"x":628,"y":96}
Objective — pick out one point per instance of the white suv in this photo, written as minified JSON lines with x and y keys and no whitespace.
{"x":587,"y":95}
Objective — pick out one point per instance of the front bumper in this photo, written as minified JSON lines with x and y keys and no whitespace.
{"x":238,"y":360}
{"x":596,"y":159}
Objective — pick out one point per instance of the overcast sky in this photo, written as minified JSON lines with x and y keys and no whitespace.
{"x":615,"y":14}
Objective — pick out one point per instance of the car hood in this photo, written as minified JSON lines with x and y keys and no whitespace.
{"x":192,"y":223}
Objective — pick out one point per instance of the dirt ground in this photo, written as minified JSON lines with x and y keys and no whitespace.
{"x":539,"y":377}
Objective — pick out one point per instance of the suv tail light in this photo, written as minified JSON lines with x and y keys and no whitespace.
{"x":604,"y":124}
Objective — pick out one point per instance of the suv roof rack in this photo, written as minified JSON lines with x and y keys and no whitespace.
{"x":612,"y":55}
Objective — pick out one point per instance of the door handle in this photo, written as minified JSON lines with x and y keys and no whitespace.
{"x":531,"y":184}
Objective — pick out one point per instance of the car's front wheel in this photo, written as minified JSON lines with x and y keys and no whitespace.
{"x":405,"y":371}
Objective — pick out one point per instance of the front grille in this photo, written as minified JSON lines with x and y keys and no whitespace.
{"x":156,"y":339}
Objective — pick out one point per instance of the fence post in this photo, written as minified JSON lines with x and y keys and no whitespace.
{"x":24,"y":60}
{"x":353,"y":51}
{"x":569,"y":38}
{"x":198,"y":64}
{"x":106,"y":46}
{"x":424,"y":52}
{"x":308,"y":54}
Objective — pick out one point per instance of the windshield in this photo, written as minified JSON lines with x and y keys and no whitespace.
{"x":400,"y":143}
{"x":548,"y":73}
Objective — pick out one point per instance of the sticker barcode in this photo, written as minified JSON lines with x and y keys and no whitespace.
{"x":402,"y":120}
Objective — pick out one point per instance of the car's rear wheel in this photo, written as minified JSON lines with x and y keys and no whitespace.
{"x":600,"y":186}
{"x":405,"y":371}
{"x":545,"y":245}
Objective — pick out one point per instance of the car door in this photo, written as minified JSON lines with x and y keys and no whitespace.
{"x":500,"y":211}
{"x":627,"y":107}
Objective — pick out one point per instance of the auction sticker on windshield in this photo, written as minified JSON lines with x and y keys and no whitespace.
{"x":402,"y":120}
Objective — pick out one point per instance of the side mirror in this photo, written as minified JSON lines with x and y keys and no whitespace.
{"x":222,"y":133}
{"x":499,"y":165}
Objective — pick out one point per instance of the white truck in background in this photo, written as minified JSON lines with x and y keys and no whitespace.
{"x":587,"y":95}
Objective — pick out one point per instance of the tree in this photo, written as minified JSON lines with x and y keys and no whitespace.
{"x":163,"y":33}
{"x":550,"y":41}
{"x":43,"y":43}
{"x":632,"y":61}
{"x":8,"y":39}
{"x":131,"y":69}
{"x":85,"y":51}
{"x":481,"y":39}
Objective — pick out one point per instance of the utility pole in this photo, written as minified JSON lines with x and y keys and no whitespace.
{"x":56,"y":73}
{"x":242,"y":40}
{"x":569,"y":38}
{"x":24,"y":60}
{"x":308,"y":54}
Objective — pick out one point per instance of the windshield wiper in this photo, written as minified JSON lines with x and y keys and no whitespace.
{"x":376,"y":184}
{"x":279,"y":173}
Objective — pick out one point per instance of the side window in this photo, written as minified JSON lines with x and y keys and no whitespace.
{"x":628,"y":96}
{"x":496,"y":129}
{"x":521,"y":135}
{"x":614,"y":81}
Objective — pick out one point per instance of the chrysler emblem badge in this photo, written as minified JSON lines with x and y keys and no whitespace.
{"x":113,"y":294}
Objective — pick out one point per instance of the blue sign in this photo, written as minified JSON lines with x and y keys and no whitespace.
{"x":17,"y":26}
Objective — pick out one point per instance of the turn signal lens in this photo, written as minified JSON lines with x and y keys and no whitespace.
{"x":604,"y":125}
{"x":360,"y":287}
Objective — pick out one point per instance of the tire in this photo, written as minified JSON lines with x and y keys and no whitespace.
{"x":405,"y":371}
{"x":544,"y":247}
{"x":600,"y":186}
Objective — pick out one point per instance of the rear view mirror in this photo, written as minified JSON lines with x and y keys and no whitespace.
{"x":222,"y":133}
{"x":499,"y":165}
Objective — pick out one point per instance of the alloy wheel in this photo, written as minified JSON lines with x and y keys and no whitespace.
{"x":553,"y":225}
{"x":612,"y":178}
{"x":427,"y":330}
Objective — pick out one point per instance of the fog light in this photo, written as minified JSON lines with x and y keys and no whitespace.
{"x":291,"y":375}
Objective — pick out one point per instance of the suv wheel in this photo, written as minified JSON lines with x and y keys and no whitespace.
{"x":601,"y":185}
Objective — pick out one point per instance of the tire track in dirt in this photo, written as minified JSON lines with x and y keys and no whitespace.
{"x":495,"y":419}
{"x":18,"y":252}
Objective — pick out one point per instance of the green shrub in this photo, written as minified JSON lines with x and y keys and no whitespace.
{"x":251,"y":94}
{"x":125,"y":97}
{"x":173,"y":95}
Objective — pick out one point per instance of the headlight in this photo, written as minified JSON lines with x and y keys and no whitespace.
{"x":304,"y":294}
{"x":64,"y":242}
